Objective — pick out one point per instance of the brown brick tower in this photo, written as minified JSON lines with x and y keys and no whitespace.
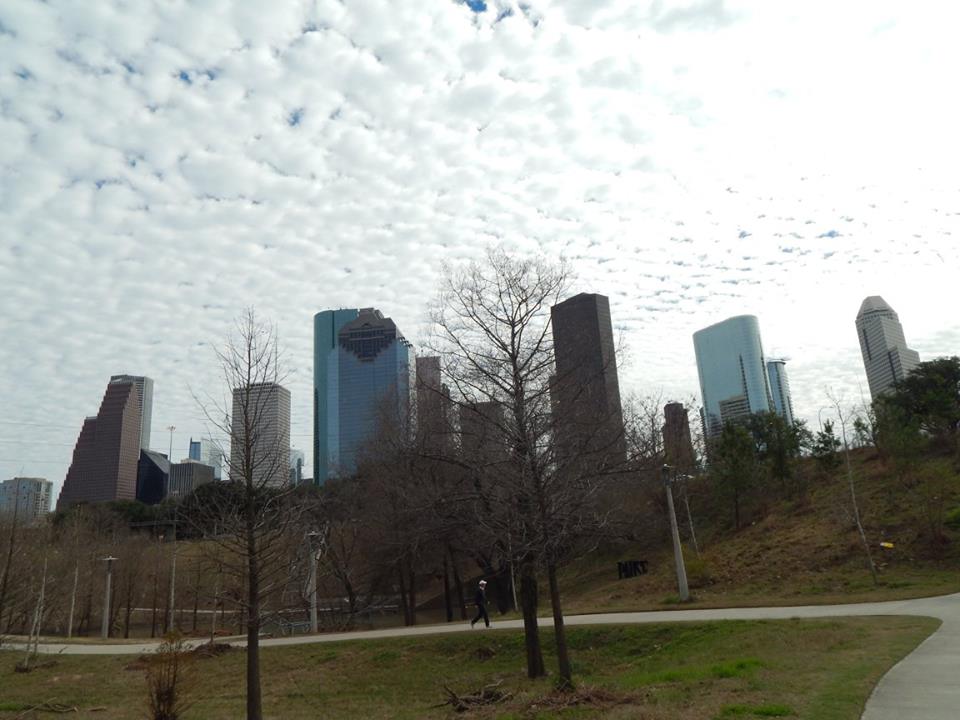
{"x":104,"y":465}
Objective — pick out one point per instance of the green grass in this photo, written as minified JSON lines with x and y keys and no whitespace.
{"x":818,"y":669}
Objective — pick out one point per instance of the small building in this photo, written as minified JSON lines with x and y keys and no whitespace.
{"x":187,"y":476}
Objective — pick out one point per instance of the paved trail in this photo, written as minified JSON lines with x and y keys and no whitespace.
{"x":923,"y":686}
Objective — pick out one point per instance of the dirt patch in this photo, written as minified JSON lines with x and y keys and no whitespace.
{"x":484,"y":653}
{"x":584,"y":697}
{"x":211,"y":649}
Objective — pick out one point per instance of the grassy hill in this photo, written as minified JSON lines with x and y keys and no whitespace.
{"x":797,"y":551}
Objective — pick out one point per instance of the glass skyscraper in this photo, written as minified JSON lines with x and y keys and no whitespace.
{"x":362,"y":375}
{"x":326,"y":405}
{"x":780,"y":389}
{"x":733,"y":372}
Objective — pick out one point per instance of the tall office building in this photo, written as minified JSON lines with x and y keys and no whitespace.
{"x":677,"y":441}
{"x":326,"y":387}
{"x":363,"y":380}
{"x":585,"y":391}
{"x":28,"y":498}
{"x":264,"y":408}
{"x":104,"y":464}
{"x":780,"y":389}
{"x":296,"y":467}
{"x":886,"y":357}
{"x":144,"y":386}
{"x":433,"y":406}
{"x":733,"y":372}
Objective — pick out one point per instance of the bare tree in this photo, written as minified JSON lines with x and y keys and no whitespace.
{"x":534,"y":474}
{"x":251,"y":515}
{"x":854,"y":503}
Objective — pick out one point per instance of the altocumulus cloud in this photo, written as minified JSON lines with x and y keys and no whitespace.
{"x":164,"y":165}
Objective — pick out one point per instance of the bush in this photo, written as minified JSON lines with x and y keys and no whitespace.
{"x":699,"y":573}
{"x":166,"y":680}
{"x":952,"y":519}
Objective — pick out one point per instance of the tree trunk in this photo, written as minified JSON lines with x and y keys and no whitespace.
{"x":126,"y":618}
{"x":412,"y":590}
{"x":458,"y":585}
{"x":153,"y":614}
{"x":531,"y":633}
{"x":254,"y":709}
{"x":565,"y":680}
{"x":447,"y":600}
{"x":404,"y":607}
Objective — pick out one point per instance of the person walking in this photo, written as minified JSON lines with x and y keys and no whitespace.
{"x":480,"y":599}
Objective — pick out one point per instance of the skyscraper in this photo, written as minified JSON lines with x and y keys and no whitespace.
{"x":780,"y":389}
{"x":433,"y":406}
{"x":296,"y":467}
{"x":585,"y":391}
{"x":104,"y":464}
{"x":373,"y":387}
{"x":733,"y":373}
{"x":264,"y":408}
{"x":326,"y":386}
{"x":886,"y":357}
{"x":677,"y":441}
{"x":29,"y":498}
{"x":144,"y":386}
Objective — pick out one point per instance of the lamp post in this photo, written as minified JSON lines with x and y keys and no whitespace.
{"x":312,"y":580}
{"x":105,"y":623}
{"x":173,"y":574}
{"x":819,"y":418}
{"x":677,"y":550}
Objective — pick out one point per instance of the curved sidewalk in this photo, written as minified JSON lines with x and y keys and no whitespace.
{"x":922,"y":686}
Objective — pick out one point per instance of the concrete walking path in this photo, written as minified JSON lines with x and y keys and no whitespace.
{"x":923,"y":686}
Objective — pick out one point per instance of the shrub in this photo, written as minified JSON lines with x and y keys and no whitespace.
{"x":166,"y":680}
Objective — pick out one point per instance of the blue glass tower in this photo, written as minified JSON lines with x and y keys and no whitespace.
{"x":733,"y":373}
{"x":362,"y":374}
{"x":326,"y":406}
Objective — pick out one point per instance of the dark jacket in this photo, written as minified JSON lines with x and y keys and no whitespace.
{"x":480,"y":598}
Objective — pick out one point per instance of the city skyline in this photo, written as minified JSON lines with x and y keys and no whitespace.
{"x":692,"y":163}
{"x":161,"y":443}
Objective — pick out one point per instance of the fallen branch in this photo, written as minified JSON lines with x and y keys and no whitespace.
{"x":487,"y":695}
{"x":49,"y":707}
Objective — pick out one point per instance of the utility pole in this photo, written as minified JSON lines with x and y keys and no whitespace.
{"x":105,"y":624}
{"x":312,"y":581}
{"x":171,"y":428}
{"x":677,"y":550}
{"x":73,"y":598}
{"x":173,"y":574}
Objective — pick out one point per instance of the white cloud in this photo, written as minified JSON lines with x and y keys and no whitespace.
{"x":163,"y":166}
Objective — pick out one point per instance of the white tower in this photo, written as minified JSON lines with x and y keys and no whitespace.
{"x":886,"y":357}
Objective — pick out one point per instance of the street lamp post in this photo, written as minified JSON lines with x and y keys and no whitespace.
{"x":677,"y":550}
{"x":173,"y":575}
{"x":312,"y":581}
{"x":819,"y":416}
{"x":105,"y":623}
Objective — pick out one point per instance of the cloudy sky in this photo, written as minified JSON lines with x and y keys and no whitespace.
{"x":163,"y":165}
